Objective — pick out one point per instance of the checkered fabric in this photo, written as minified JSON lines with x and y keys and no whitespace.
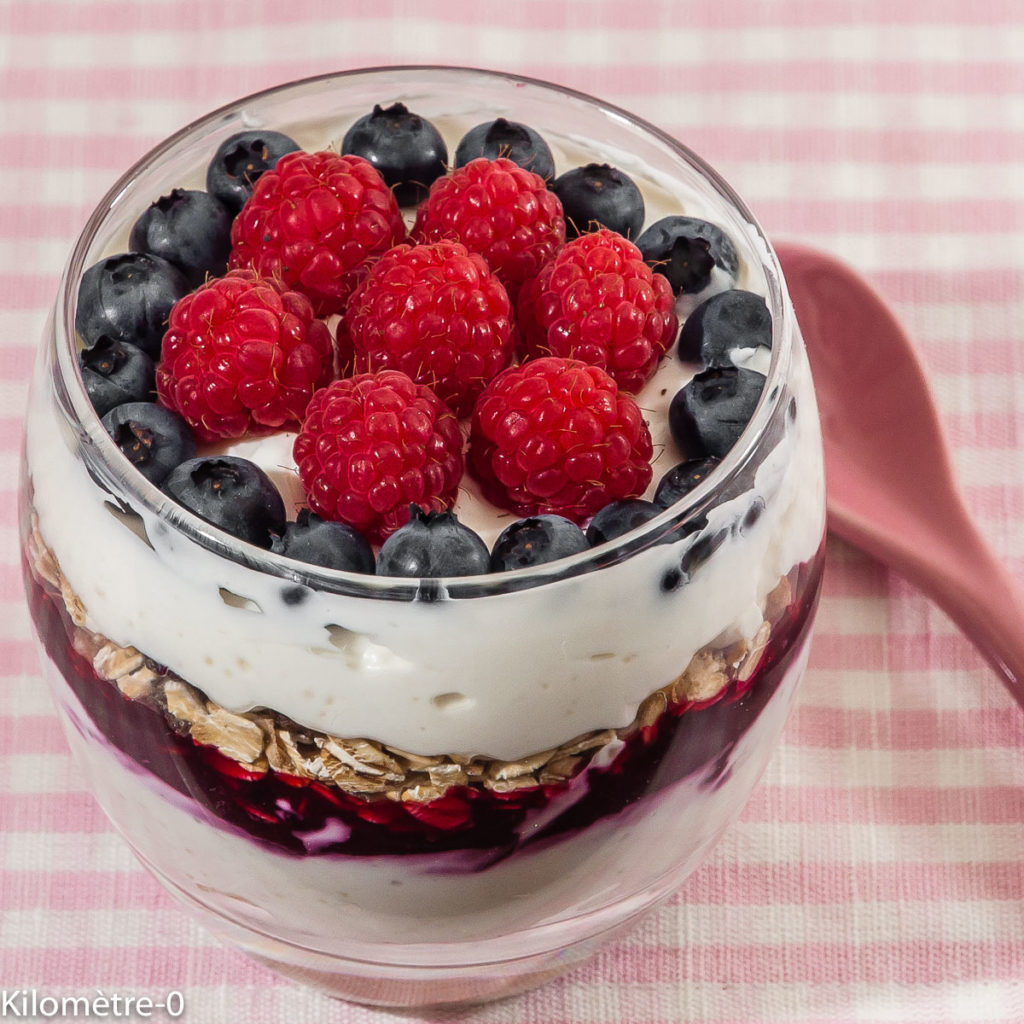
{"x":877,"y":873}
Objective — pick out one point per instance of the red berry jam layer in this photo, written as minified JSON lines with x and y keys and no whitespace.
{"x":689,"y":738}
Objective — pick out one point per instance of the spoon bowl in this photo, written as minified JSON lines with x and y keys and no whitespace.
{"x":891,"y":487}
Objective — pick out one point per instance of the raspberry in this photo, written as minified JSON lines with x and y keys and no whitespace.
{"x":242,"y":355}
{"x":498,"y":209}
{"x":313,"y":220}
{"x":556,"y":436}
{"x":436,"y":313}
{"x":598,"y":301}
{"x":371,"y":445}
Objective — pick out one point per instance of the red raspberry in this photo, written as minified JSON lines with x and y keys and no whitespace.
{"x":498,"y":209}
{"x":436,"y":313}
{"x":242,"y":355}
{"x":598,"y":301}
{"x":314,"y":219}
{"x":372,"y":444}
{"x":555,"y":435}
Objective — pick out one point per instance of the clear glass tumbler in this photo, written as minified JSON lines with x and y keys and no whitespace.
{"x":412,"y":793}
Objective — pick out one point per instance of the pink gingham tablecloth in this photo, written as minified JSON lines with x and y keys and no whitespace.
{"x":878,"y":871}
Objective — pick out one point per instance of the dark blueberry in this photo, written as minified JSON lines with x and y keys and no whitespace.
{"x":325,"y":543}
{"x":232,"y":493}
{"x":751,"y":516}
{"x":729,"y":320}
{"x":190,"y":229}
{"x":128,"y":298}
{"x":671,"y":579}
{"x":240,"y":160}
{"x":620,"y":517}
{"x":599,"y":196}
{"x":509,"y":139}
{"x":406,"y":149}
{"x":709,"y":413}
{"x":295,"y":595}
{"x":536,"y":540}
{"x":153,"y":438}
{"x":686,"y":251}
{"x":433,"y":544}
{"x":681,"y":479}
{"x":700,"y":551}
{"x":115,"y":372}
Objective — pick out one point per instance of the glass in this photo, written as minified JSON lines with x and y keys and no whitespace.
{"x":413,"y":793}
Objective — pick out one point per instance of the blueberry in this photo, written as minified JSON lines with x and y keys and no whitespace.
{"x":406,"y":149}
{"x":128,"y":298}
{"x":599,"y":196}
{"x":750,"y":518}
{"x":671,"y":579}
{"x":190,"y":229}
{"x":325,"y":543}
{"x":729,"y":320}
{"x":115,"y":372}
{"x":700,"y":551}
{"x":153,"y":438}
{"x":620,"y":517}
{"x":233,"y":494}
{"x":240,"y":160}
{"x":536,"y":540}
{"x":676,"y":484}
{"x":686,"y":251}
{"x":509,"y":139}
{"x":708,"y":414}
{"x":433,"y":544}
{"x":681,"y":479}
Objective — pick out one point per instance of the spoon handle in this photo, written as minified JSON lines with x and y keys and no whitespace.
{"x":958,"y":569}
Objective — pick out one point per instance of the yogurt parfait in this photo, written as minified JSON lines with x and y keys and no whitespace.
{"x":423,"y":520}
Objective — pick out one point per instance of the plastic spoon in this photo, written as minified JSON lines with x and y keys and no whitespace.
{"x":891,"y":489}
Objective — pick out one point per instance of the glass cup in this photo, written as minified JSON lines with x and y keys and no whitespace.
{"x":421,"y":792}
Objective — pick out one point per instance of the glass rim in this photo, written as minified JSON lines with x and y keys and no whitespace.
{"x":116,"y":469}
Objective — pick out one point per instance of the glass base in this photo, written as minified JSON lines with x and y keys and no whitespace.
{"x":392,"y":985}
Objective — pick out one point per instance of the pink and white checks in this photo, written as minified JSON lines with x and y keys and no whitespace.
{"x":878,"y":872}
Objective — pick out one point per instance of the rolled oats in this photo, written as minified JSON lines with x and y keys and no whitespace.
{"x":778,"y":600}
{"x":138,"y":684}
{"x":757,"y":649}
{"x":112,"y":662}
{"x":235,"y":736}
{"x":506,"y":770}
{"x":651,"y":709}
{"x":183,"y":701}
{"x":705,"y":677}
{"x":560,"y":769}
{"x":421,"y":793}
{"x":444,"y":775}
{"x":511,"y":785}
{"x":588,"y":742}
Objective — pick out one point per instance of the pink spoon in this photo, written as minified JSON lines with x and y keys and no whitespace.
{"x":891,"y":489}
